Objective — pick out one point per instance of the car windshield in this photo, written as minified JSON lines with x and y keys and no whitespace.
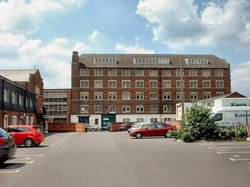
{"x":3,"y":134}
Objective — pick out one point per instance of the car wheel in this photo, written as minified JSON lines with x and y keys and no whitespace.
{"x":138,"y":135}
{"x":168,"y":134}
{"x":28,"y":142}
{"x":2,"y":160}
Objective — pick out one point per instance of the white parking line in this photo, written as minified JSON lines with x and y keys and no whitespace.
{"x":28,"y":155}
{"x":239,"y":159}
{"x":9,"y":171}
{"x":234,"y":152}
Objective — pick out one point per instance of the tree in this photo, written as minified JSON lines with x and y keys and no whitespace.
{"x":198,"y":124}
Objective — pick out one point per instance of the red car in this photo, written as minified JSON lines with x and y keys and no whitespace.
{"x":151,"y":129}
{"x":28,"y":135}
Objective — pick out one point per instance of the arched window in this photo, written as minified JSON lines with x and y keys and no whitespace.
{"x":112,"y":109}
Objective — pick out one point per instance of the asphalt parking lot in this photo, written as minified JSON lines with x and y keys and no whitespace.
{"x":101,"y":159}
{"x":237,"y":152}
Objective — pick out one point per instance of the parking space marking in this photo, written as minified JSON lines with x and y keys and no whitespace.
{"x":9,"y":171}
{"x":239,"y":159}
{"x":28,"y":155}
{"x":233,"y":152}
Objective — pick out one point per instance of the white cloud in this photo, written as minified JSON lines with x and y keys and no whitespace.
{"x":133,"y":49}
{"x":96,"y":35}
{"x":179,"y":24}
{"x":81,"y":47}
{"x":240,"y":78}
{"x":12,"y":12}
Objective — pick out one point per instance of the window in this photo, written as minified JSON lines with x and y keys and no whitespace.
{"x":166,"y":96}
{"x":98,"y":84}
{"x":167,"y":108}
{"x":112,"y":109}
{"x":153,"y":95}
{"x":98,"y":108}
{"x":153,"y":84}
{"x":206,"y":95}
{"x":98,"y":72}
{"x":178,"y":96}
{"x":196,"y":61}
{"x":166,"y":72}
{"x":14,"y":120}
{"x":139,"y":72}
{"x":98,"y":95}
{"x":125,"y":84}
{"x":139,"y":95}
{"x":151,"y":61}
{"x":153,"y":109}
{"x":105,"y":60}
{"x":218,"y":72}
{"x":206,"y":84}
{"x":84,"y":84}
{"x":178,"y":72}
{"x":126,"y":109}
{"x":139,"y":84}
{"x":20,"y":100}
{"x":112,"y":95}
{"x":220,"y":84}
{"x":84,"y":108}
{"x":125,"y":119}
{"x":178,"y":84}
{"x":220,"y":93}
{"x":112,"y":84}
{"x":193,"y":95}
{"x":126,"y":72}
{"x":192,"y":72}
{"x":206,"y":73}
{"x":6,"y":95}
{"x":153,"y":72}
{"x":153,"y":120}
{"x":139,"y":120}
{"x":126,"y":96}
{"x":112,"y":72}
{"x":84,"y":72}
{"x":14,"y":98}
{"x":139,"y":108}
{"x":193,"y":84}
{"x":84,"y":95}
{"x":166,"y":84}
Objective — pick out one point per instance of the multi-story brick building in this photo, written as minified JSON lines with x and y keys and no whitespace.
{"x":17,"y":104}
{"x":142,"y":87}
{"x":29,"y":79}
{"x":57,"y":105}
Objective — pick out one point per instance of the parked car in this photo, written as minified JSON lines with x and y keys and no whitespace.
{"x":120,"y":126}
{"x":151,"y":129}
{"x":89,"y":127}
{"x":28,"y":135}
{"x":7,"y":146}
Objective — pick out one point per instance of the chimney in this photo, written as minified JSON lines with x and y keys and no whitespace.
{"x":75,"y":57}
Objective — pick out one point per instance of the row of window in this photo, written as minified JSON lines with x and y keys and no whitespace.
{"x":152,"y":72}
{"x":17,"y":99}
{"x":113,"y":60}
{"x":141,"y":95}
{"x":56,"y":109}
{"x":152,"y":84}
{"x":126,"y":109}
{"x":15,"y":120}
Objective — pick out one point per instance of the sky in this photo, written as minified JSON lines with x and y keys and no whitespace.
{"x":42,"y":34}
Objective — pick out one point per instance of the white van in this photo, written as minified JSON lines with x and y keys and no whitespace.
{"x":231,"y":116}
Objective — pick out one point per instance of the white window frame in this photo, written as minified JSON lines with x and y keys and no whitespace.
{"x":98,"y":84}
{"x":84,"y":84}
{"x":84,"y":95}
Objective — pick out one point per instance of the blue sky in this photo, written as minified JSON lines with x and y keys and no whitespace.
{"x":43,"y":33}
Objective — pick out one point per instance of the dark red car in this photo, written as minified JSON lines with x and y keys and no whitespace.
{"x":28,"y":135}
{"x":7,"y":146}
{"x":151,"y":129}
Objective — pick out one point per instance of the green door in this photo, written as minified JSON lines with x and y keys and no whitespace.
{"x":107,"y":119}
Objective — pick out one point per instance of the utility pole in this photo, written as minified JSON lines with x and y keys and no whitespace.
{"x":182,"y":94}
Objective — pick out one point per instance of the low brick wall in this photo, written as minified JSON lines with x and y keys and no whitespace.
{"x":68,"y":127}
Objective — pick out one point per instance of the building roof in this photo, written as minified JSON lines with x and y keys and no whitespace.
{"x":168,"y":60}
{"x":18,"y":74}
